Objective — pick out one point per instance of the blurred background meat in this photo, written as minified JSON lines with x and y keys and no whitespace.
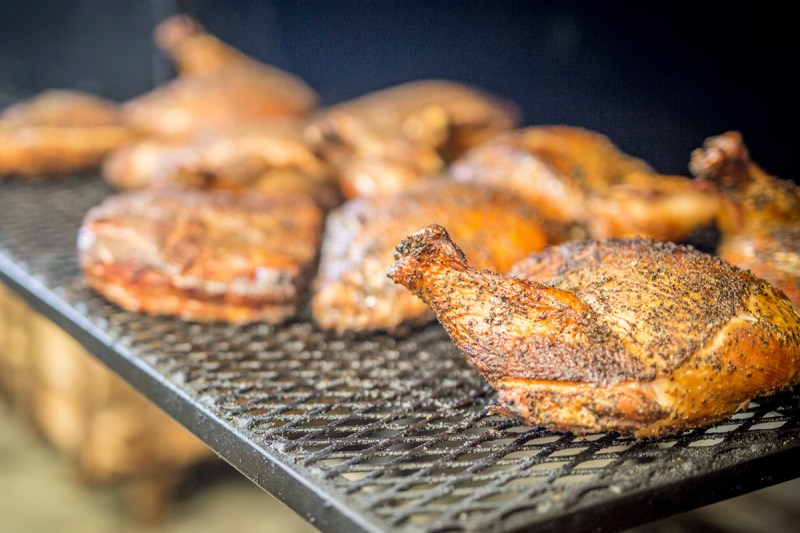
{"x":351,"y":290}
{"x":59,"y":132}
{"x":216,"y":86}
{"x":386,"y":140}
{"x":578,"y":177}
{"x":759,"y":215}
{"x":657,"y":79}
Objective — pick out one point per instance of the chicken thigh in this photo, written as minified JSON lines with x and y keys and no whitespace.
{"x":351,"y":290}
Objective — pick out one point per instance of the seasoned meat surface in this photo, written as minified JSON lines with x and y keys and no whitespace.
{"x":581,"y":178}
{"x":634,"y":336}
{"x":59,"y":132}
{"x":352,"y":292}
{"x":759,"y":219}
{"x":202,"y":255}
{"x":385,"y":140}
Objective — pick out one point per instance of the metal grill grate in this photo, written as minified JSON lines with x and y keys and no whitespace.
{"x":377,"y":433}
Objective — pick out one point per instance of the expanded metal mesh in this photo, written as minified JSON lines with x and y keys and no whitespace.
{"x":398,"y":429}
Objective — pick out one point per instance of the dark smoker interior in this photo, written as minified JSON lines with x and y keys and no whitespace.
{"x":657,"y":78}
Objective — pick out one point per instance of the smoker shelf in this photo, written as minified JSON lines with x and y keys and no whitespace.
{"x":376,"y":433}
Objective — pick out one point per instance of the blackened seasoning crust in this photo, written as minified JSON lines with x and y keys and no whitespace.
{"x":631,"y":335}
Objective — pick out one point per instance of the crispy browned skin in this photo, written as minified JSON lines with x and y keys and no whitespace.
{"x":385,"y":140}
{"x":759,"y":217}
{"x":352,"y":292}
{"x":202,"y":255}
{"x":217,"y":86}
{"x":579,"y":177}
{"x":634,"y":336}
{"x":269,"y":157}
{"x":59,"y":132}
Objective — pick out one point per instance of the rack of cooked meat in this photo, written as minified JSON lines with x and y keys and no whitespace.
{"x":562,"y":267}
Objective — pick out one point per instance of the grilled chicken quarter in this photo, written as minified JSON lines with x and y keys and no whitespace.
{"x":204,"y":256}
{"x":633,"y":336}
{"x":386,"y":140}
{"x":217,"y":86}
{"x":351,"y":290}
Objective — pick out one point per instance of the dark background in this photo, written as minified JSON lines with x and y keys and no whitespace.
{"x":657,"y":78}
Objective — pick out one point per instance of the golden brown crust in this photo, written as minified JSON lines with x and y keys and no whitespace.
{"x":555,"y":167}
{"x":352,"y":291}
{"x":202,"y":255}
{"x":579,"y":177}
{"x":634,"y":287}
{"x":388,"y":139}
{"x":632,"y":335}
{"x":759,"y":216}
{"x":580,"y":407}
